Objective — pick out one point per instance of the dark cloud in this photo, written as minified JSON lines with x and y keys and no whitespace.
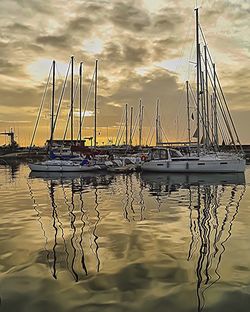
{"x":128,"y":16}
{"x":82,"y":24}
{"x":168,"y":20}
{"x":60,"y":41}
{"x":10,"y":69}
{"x":18,"y":27}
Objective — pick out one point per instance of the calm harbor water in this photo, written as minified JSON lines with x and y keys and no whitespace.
{"x":138,"y":242}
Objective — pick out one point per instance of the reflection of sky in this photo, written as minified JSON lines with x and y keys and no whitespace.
{"x":137,"y":230}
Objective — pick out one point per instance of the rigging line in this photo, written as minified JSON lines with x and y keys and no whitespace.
{"x":191,"y":56}
{"x":151,"y":138}
{"x":58,"y":73}
{"x":149,"y":133}
{"x":225,"y":102}
{"x":228,"y":111}
{"x":147,"y":120}
{"x":87,"y":100}
{"x":222,"y":131}
{"x":222,"y":111}
{"x":69,"y":114}
{"x":180,"y":98}
{"x":151,"y":127}
{"x":201,"y":118}
{"x":207,"y":130}
{"x":61,"y":98}
{"x":183,"y":48}
{"x":163,"y":131}
{"x":122,"y":133}
{"x":118,"y":133}
{"x":136,"y":124}
{"x":179,"y":107}
{"x":40,"y":109}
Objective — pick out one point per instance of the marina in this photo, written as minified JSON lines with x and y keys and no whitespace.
{"x":124,"y":156}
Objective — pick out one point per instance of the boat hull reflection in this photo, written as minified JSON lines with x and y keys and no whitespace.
{"x":194,"y":179}
{"x":63,"y":175}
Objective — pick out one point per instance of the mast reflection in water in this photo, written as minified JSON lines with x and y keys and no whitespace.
{"x":72,"y":225}
{"x":213,"y":202}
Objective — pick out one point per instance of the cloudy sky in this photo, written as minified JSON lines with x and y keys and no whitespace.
{"x":145,"y":51}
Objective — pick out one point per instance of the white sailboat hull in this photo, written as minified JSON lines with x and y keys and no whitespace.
{"x":62,"y":168}
{"x":199,"y":165}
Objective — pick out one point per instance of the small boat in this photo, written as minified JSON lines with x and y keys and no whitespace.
{"x":121,"y":166}
{"x":63,"y":166}
{"x":171,"y":160}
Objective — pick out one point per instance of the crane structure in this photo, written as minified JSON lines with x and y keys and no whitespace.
{"x":11,"y":135}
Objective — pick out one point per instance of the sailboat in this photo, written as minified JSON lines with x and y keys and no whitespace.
{"x":65,"y":162}
{"x":208,"y":157}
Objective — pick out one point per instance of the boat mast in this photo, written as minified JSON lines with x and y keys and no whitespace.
{"x":72,"y":100}
{"x":206,"y":93}
{"x":212,"y":118}
{"x":126,"y":124}
{"x":80,"y":103}
{"x":157,"y":123}
{"x":215,"y":108}
{"x":52,"y":102}
{"x":188,"y":113}
{"x":95,"y":103}
{"x":140,"y":122}
{"x":198,"y":79}
{"x":203,"y":114}
{"x":131,"y":125}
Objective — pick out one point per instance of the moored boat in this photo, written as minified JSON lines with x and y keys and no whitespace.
{"x":121,"y":166}
{"x":171,"y":160}
{"x":63,"y":166}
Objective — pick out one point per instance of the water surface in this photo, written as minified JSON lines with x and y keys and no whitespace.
{"x":138,"y":242}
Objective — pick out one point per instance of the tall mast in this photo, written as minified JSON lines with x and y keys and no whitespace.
{"x":131,"y":125}
{"x":188,"y":113}
{"x":215,"y":109}
{"x":203,"y":110}
{"x":157,"y":123}
{"x":52,"y":102}
{"x":72,"y":100}
{"x":198,"y":80}
{"x":80,"y":103}
{"x":160,"y":130}
{"x":212,"y":119}
{"x":95,"y":108}
{"x":126,"y":124}
{"x":206,"y":93}
{"x":142,"y":116}
{"x":140,"y":124}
